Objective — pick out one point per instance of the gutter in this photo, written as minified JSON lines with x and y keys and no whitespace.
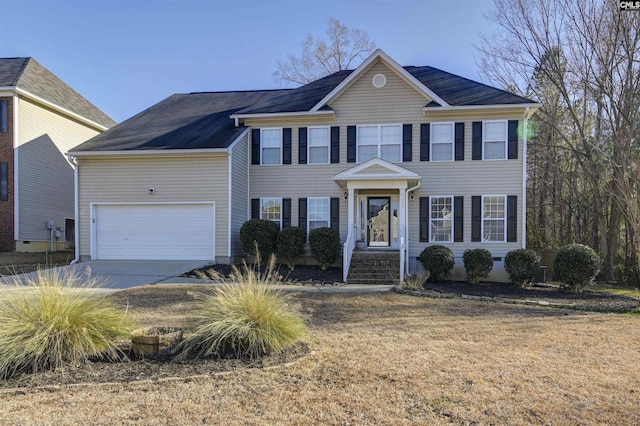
{"x":149,"y":152}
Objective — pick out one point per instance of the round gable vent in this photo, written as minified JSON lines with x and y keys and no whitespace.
{"x":379,"y":80}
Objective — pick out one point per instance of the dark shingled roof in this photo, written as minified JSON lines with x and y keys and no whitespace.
{"x":182,"y":121}
{"x":29,"y":75}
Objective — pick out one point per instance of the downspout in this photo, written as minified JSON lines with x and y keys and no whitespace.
{"x":406,"y":225}
{"x":76,"y":203}
{"x":524,"y":178}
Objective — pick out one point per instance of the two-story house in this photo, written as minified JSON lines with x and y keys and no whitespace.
{"x":395,"y":158}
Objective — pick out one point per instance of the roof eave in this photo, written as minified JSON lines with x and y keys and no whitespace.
{"x":530,"y":108}
{"x":324,"y":113}
{"x":149,"y":153}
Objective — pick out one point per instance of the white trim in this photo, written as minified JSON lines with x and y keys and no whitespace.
{"x":16,"y":176}
{"x":431,"y":197}
{"x":379,"y":142}
{"x":393,"y":65}
{"x":482,"y":219}
{"x":236,"y":140}
{"x":396,"y":172}
{"x":328,"y":211}
{"x":271,"y":198}
{"x":323,"y":113}
{"x":229,"y":200}
{"x":506,"y":140}
{"x":532,"y":107}
{"x":76,"y":210}
{"x":453,"y":142}
{"x":281,"y":145}
{"x":524,"y":179}
{"x":309,"y":144}
{"x":149,"y":153}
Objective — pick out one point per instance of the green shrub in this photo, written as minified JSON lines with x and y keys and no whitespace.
{"x":478,"y":263}
{"x":438,"y":260}
{"x":522,"y":265}
{"x":324,"y":244}
{"x":53,"y":319}
{"x":576,"y":266}
{"x":246,"y":316}
{"x":291,"y":242}
{"x":262,"y":232}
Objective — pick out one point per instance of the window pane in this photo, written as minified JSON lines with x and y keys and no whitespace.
{"x":271,"y":156}
{"x":367,"y":152}
{"x":441,"y":152}
{"x":318,"y":211}
{"x":391,"y":134}
{"x":441,"y":208}
{"x":494,"y":150}
{"x":494,"y":230}
{"x":441,"y":230}
{"x":319,"y":136}
{"x":495,"y":131}
{"x":270,"y":209}
{"x":493,"y":208}
{"x":368,"y":135}
{"x":442,"y":133}
{"x":390,"y":153}
{"x":271,"y":138}
{"x":318,"y":155}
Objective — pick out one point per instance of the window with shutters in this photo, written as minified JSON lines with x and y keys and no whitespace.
{"x":441,"y":219}
{"x":494,"y":140}
{"x":318,"y":145}
{"x":494,"y":218}
{"x":442,"y":136}
{"x":382,"y":141}
{"x":271,"y":146}
{"x":271,"y":209}
{"x":317,"y":213}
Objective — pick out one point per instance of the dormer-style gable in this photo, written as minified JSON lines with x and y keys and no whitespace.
{"x":376,"y":169}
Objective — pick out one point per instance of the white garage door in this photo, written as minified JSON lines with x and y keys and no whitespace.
{"x":154,"y":231}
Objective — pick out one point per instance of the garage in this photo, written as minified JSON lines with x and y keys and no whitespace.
{"x":172,"y":231}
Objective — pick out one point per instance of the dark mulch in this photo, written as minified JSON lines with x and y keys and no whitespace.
{"x":301,"y":274}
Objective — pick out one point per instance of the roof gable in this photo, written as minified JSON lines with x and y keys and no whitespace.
{"x":374,"y":169}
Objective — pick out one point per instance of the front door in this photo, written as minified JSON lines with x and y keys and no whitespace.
{"x":378,"y":214}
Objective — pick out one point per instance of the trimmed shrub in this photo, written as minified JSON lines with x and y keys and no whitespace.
{"x":522,"y":265}
{"x":576,"y":266}
{"x":246,"y":316}
{"x":260,"y":232}
{"x":478,"y":263}
{"x":438,"y":260}
{"x":324,"y":244}
{"x":50,"y":319}
{"x":291,"y":244}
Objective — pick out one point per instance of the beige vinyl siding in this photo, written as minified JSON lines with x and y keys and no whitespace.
{"x":45,"y":182}
{"x":176,"y":179}
{"x":239,"y":192}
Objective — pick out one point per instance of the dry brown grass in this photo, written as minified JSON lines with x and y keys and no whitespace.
{"x":18,"y":263}
{"x":386,"y":359}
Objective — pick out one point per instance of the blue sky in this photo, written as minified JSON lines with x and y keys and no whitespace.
{"x":126,"y":55}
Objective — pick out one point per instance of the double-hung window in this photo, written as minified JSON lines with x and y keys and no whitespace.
{"x":271,"y":146}
{"x":494,"y":139}
{"x":382,"y":141}
{"x":494,"y":218}
{"x":318,"y":213}
{"x":318,"y":145}
{"x":442,"y":135}
{"x":271,"y":209}
{"x":441,"y":218}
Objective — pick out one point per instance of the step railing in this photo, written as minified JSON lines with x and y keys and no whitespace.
{"x":347,"y":252}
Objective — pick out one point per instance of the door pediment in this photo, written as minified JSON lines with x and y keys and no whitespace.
{"x":376,"y":169}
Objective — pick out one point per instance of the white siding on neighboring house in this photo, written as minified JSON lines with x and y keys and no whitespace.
{"x":239,"y":192}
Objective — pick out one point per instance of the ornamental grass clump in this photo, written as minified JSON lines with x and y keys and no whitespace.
{"x":246,"y":317}
{"x":50,"y":319}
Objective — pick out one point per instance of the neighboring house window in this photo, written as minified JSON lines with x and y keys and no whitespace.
{"x":4,"y":116}
{"x":317,"y":213}
{"x":382,"y":141}
{"x":441,"y":218}
{"x":318,"y":145}
{"x":442,"y":141}
{"x":4,"y":181}
{"x":494,"y":222}
{"x":271,"y":146}
{"x":271,"y":209}
{"x":494,"y":140}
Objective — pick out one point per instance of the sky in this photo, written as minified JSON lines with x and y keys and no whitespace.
{"x":126,"y":55}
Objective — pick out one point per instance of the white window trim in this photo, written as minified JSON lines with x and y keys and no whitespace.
{"x":262,"y":200}
{"x":431,"y":197}
{"x":261,"y":147}
{"x":379,"y":142}
{"x":453,"y":142}
{"x":329,"y":212}
{"x":506,"y":140}
{"x":309,"y":144}
{"x":482,"y":219}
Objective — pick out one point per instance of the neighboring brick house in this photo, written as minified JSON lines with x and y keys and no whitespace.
{"x":41,"y":118}
{"x":395,"y":158}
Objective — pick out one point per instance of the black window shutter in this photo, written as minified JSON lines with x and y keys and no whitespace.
{"x":286,"y":146}
{"x":476,"y":140}
{"x":286,"y":212}
{"x":335,"y":144}
{"x":335,"y":214}
{"x":351,"y":144}
{"x":512,"y":218}
{"x":513,"y":140}
{"x":407,"y":142}
{"x":459,"y":142}
{"x":4,"y":181}
{"x":4,"y":116}
{"x":255,"y":208}
{"x":476,"y":218}
{"x":424,"y":219}
{"x":302,"y":145}
{"x":255,"y":146}
{"x":302,"y":213}
{"x":458,"y":219}
{"x":425,"y":138}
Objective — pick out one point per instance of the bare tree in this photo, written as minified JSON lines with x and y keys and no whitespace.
{"x":320,"y":58}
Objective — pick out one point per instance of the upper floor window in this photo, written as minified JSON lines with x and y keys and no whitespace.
{"x":442,"y":135}
{"x":382,"y":141}
{"x":494,"y":140}
{"x":441,"y":218}
{"x":4,"y":181}
{"x":318,"y":145}
{"x":271,"y":146}
{"x":318,"y":213}
{"x":494,"y":220}
{"x":4,"y":115}
{"x":271,"y":209}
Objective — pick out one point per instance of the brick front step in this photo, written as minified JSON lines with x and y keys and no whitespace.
{"x":374,"y":267}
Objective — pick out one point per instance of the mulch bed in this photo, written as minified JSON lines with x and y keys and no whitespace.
{"x":301,"y":274}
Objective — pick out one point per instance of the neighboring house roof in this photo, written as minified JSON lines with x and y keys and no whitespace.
{"x":27,"y":74}
{"x":182,"y":121}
